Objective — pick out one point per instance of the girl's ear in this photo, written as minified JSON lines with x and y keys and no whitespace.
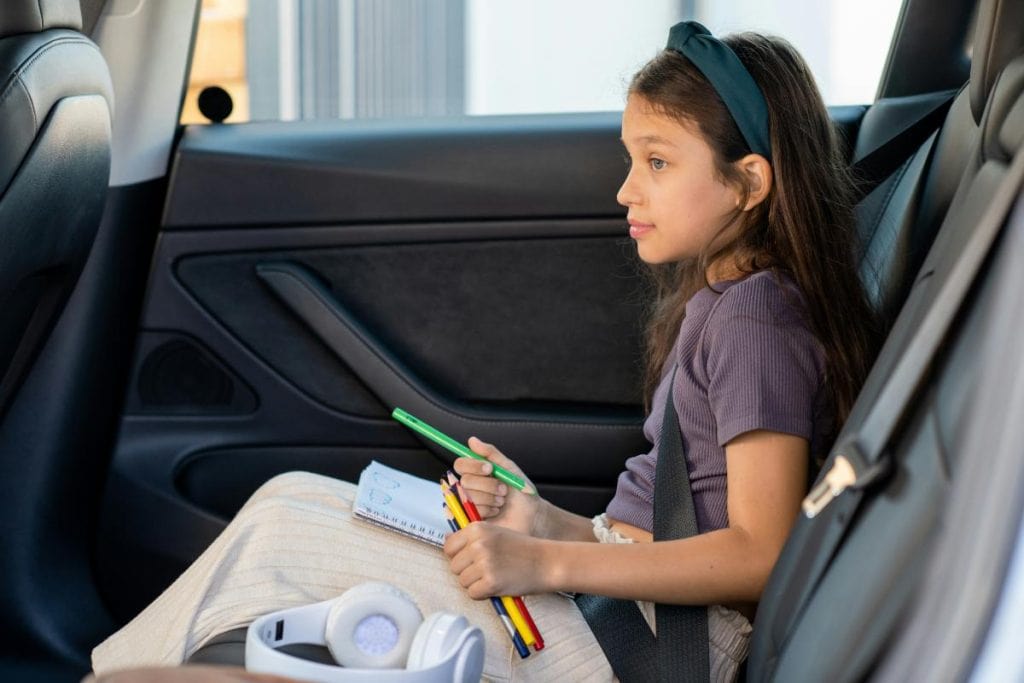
{"x":758,"y":173}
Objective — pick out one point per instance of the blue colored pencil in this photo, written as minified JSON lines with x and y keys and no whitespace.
{"x":517,"y":640}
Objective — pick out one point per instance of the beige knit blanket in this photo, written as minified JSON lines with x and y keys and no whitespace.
{"x":296,"y":542}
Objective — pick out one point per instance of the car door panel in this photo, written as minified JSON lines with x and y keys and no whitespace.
{"x":488,"y":263}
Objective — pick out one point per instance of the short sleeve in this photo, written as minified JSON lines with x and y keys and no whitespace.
{"x":764,"y":367}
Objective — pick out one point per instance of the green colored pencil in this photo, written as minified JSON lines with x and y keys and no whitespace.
{"x":457,"y":448}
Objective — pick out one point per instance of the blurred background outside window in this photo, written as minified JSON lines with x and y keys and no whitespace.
{"x":315,"y":59}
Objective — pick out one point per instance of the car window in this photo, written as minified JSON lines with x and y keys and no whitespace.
{"x":315,"y":59}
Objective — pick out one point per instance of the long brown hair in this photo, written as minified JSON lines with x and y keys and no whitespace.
{"x":804,"y":228}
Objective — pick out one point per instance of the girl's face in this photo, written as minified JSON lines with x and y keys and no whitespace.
{"x":677,"y":203}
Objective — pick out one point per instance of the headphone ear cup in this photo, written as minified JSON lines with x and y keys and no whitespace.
{"x":435,"y":639}
{"x":372,"y":626}
{"x":470,"y":664}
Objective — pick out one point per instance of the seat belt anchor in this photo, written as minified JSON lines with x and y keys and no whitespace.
{"x":848,"y":471}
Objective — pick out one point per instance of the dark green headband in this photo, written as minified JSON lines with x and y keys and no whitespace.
{"x":729,"y":78}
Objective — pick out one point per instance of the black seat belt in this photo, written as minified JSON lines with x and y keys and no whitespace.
{"x":861,"y":460}
{"x":874,"y":167}
{"x":680,"y":652}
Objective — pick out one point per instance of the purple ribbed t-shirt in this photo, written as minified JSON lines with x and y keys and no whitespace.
{"x":747,"y":360}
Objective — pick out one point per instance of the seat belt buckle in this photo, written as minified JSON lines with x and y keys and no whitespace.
{"x":849,"y":470}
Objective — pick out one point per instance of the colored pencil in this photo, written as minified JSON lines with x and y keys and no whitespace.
{"x":499,"y":608}
{"x":538,"y":641}
{"x":467,"y":503}
{"x":453,"y":505}
{"x":514,"y":605}
{"x":522,"y":628}
{"x":457,"y":448}
{"x":517,"y":619}
{"x":474,"y":516}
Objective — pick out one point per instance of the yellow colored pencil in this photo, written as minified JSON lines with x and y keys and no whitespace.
{"x":453,"y":504}
{"x":517,"y":620}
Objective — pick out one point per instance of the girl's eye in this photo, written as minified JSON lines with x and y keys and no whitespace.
{"x":627,"y":160}
{"x":657,"y":164}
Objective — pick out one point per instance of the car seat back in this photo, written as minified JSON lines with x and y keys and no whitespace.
{"x":835,"y":628}
{"x":56,"y":103}
{"x":963,"y":617}
{"x":55,"y":114}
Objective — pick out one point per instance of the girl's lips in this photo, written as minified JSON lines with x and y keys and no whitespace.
{"x":638,"y":229}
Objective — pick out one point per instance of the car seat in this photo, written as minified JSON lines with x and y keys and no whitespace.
{"x":835,"y":627}
{"x":55,"y":114}
{"x":56,"y":105}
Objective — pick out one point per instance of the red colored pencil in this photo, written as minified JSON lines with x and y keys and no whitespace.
{"x":539,"y":644}
{"x":467,"y":503}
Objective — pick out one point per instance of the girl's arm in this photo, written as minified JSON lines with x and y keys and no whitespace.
{"x":767,"y":476}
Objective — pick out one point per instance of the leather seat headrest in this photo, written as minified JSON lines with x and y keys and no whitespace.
{"x":998,"y":38}
{"x":33,"y":16}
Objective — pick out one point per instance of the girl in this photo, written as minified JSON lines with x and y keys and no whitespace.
{"x":737,"y":198}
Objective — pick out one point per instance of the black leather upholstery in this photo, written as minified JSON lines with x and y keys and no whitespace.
{"x":893,"y":240}
{"x":898,"y":221}
{"x":56,"y":103}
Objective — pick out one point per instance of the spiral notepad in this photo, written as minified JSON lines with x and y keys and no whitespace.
{"x":395,"y":500}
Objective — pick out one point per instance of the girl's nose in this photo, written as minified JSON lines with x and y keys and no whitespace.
{"x":627,"y":194}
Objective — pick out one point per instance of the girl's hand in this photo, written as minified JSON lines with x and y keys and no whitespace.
{"x":491,"y":560}
{"x":496,"y":501}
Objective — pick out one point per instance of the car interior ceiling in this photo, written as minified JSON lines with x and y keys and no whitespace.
{"x":913,"y":226}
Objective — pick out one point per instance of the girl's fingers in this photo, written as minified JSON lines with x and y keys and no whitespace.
{"x":486,"y":485}
{"x":487,"y":493}
{"x":465,"y":466}
{"x":490,"y":452}
{"x":469,"y":576}
{"x":454,"y":542}
{"x":486,"y":511}
{"x":459,"y":562}
{"x":485,"y":500}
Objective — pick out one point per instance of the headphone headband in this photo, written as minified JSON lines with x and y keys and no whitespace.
{"x":446,"y":648}
{"x":730,"y":79}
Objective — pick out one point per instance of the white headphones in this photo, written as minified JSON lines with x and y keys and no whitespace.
{"x":371,"y":630}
